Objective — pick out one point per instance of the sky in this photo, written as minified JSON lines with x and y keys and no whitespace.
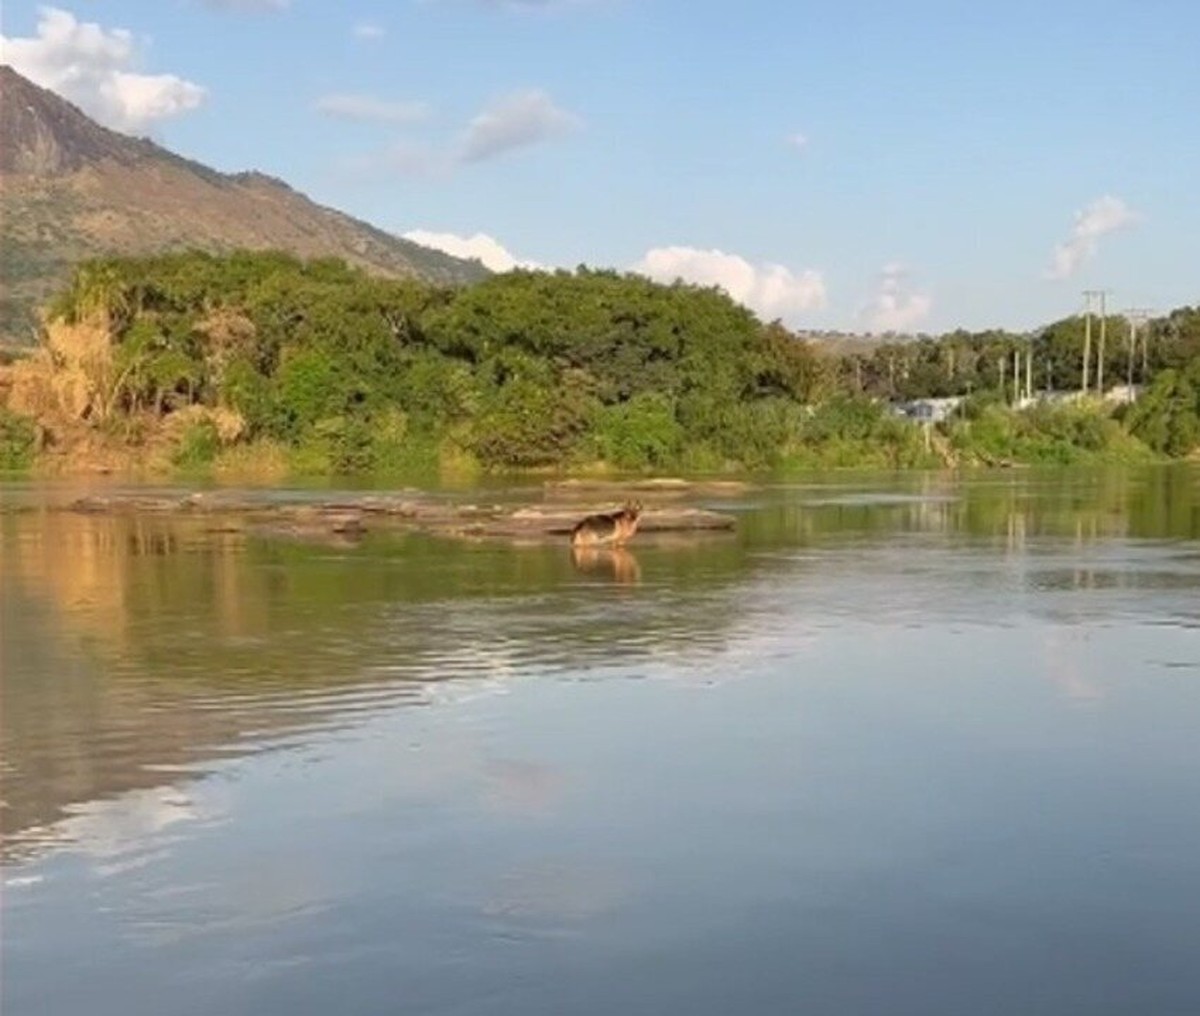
{"x":918,"y":165}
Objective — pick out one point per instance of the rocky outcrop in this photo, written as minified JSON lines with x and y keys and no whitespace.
{"x":266,"y":515}
{"x":72,"y":189}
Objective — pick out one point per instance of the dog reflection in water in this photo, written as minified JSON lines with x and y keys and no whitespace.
{"x":612,"y":562}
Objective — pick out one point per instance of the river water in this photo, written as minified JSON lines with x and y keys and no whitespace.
{"x":916,"y":744}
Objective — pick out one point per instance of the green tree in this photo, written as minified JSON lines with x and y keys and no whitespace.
{"x":1167,"y":417}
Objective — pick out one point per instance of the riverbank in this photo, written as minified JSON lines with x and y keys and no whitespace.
{"x":260,"y":368}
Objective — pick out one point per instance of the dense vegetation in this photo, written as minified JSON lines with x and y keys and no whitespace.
{"x":337,"y":371}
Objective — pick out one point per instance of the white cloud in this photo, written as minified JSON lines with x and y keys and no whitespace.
{"x":515,"y":121}
{"x":90,"y":66}
{"x":368,"y":32}
{"x":369,"y":108}
{"x":771,"y":290}
{"x":798,"y":141}
{"x":1104,"y":215}
{"x":894,"y":308}
{"x":480,"y":246}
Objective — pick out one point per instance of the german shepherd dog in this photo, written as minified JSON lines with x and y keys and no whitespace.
{"x":608,"y":527}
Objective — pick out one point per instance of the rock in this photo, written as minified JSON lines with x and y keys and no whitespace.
{"x":349,"y":516}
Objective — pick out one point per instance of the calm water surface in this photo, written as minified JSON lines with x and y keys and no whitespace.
{"x":901,"y":745}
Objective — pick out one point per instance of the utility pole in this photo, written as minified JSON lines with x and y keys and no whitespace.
{"x":1129,"y":316}
{"x":1087,"y":335}
{"x":1088,"y":296}
{"x":1137,"y":318}
{"x":1100,"y":358}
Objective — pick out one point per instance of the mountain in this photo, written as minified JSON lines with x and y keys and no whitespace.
{"x":72,"y":189}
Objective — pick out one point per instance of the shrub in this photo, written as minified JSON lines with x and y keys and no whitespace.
{"x":247,"y":391}
{"x":640,"y":433}
{"x":307,"y":389}
{"x":18,"y":441}
{"x":843,"y":417}
{"x":1167,"y":417}
{"x":347,"y":443}
{"x":1044,"y":434}
{"x":529,"y":423}
{"x":198,"y":446}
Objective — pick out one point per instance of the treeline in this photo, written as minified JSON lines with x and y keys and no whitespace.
{"x":1160,"y":358}
{"x":522,"y":370}
{"x":350,"y":373}
{"x":964,"y":363}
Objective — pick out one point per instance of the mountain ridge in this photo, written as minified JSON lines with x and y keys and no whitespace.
{"x":71,"y":188}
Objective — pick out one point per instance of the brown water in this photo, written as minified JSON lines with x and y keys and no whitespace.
{"x":901,"y":745}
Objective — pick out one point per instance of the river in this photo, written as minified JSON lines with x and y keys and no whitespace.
{"x":915,"y":744}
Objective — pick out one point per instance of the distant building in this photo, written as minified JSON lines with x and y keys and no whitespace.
{"x":1123,"y":394}
{"x":939,"y":410}
{"x":1116,"y":395}
{"x":928,"y":410}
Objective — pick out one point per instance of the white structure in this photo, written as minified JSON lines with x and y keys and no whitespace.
{"x":928,"y":410}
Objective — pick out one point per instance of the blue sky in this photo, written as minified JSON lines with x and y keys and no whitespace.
{"x":863,"y":165}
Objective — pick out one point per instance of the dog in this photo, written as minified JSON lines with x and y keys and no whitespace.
{"x":608,"y":527}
